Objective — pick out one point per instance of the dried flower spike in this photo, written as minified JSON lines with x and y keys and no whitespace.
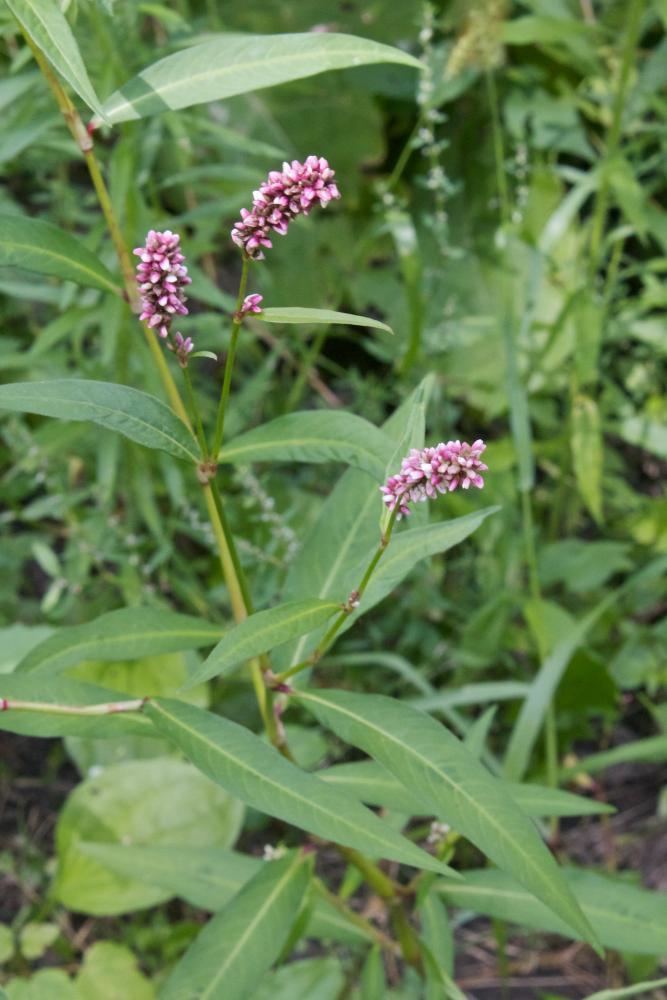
{"x":448,"y":466}
{"x":162,"y":278}
{"x":283,"y":195}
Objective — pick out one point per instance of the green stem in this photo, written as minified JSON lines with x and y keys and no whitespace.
{"x":405,"y":932}
{"x":376,"y":878}
{"x":85,"y":143}
{"x":194,"y":410}
{"x":355,"y":918}
{"x":353,"y":601}
{"x":635,"y":9}
{"x":498,"y":146}
{"x":229,"y":364}
{"x":108,"y":708}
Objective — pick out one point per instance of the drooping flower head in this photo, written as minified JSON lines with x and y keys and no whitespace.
{"x":448,"y":466}
{"x":162,"y":278}
{"x":285,"y":193}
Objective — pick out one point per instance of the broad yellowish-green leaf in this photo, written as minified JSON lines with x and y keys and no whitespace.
{"x":622,"y":915}
{"x":225,"y":65}
{"x":38,"y":246}
{"x":110,"y":971}
{"x":238,"y":946}
{"x":587,"y":446}
{"x":44,"y":21}
{"x":161,"y":802}
{"x":242,"y":763}
{"x":136,"y":415}
{"x":36,"y":937}
{"x":376,"y":786}
{"x":260,"y":633}
{"x":126,"y":634}
{"x":52,"y":983}
{"x":427,"y":759}
{"x":313,"y":436}
{"x":294,"y":315}
{"x":60,"y":692}
{"x":208,"y":878}
{"x":644,"y":432}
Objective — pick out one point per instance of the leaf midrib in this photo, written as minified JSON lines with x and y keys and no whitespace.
{"x":459,"y":789}
{"x":107,"y":640}
{"x":223,"y":71}
{"x":48,"y":252}
{"x":264,"y":778}
{"x":473,"y":890}
{"x":103,"y":410}
{"x":261,"y":913}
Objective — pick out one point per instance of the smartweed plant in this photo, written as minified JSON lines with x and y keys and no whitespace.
{"x":364,"y":855}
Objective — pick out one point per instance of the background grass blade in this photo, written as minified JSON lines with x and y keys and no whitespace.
{"x":294,"y":315}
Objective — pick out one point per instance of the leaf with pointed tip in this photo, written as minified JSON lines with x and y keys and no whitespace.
{"x":373,"y":784}
{"x":435,"y":766}
{"x":228,"y":959}
{"x":294,"y":315}
{"x":134,"y":414}
{"x":258,"y":775}
{"x":313,"y":436}
{"x":623,"y":916}
{"x":261,"y":632}
{"x":125,"y":634}
{"x":38,"y":246}
{"x":225,"y":65}
{"x":46,"y":25}
{"x":208,"y":878}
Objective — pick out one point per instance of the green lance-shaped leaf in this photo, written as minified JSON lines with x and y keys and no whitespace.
{"x":437,"y":768}
{"x":238,"y":946}
{"x":335,"y":553}
{"x":622,"y":915}
{"x":313,"y":436}
{"x":587,"y":448}
{"x":373,"y":784}
{"x":225,"y":65}
{"x":126,"y":634}
{"x":59,"y":692}
{"x":255,"y":773}
{"x":295,"y":315}
{"x":209,"y":878}
{"x":46,"y":25}
{"x":136,"y":415}
{"x":647,"y":989}
{"x":39,"y":246}
{"x":260,"y":633}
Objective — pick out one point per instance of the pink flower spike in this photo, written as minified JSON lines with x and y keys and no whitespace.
{"x":280,"y":198}
{"x":182,"y":346}
{"x":250,"y":304}
{"x":446,"y":467}
{"x":161,"y":278}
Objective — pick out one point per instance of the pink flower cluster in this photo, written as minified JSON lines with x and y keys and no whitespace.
{"x":284,"y":194}
{"x":449,"y":466}
{"x":251,"y":304}
{"x":162,"y":278}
